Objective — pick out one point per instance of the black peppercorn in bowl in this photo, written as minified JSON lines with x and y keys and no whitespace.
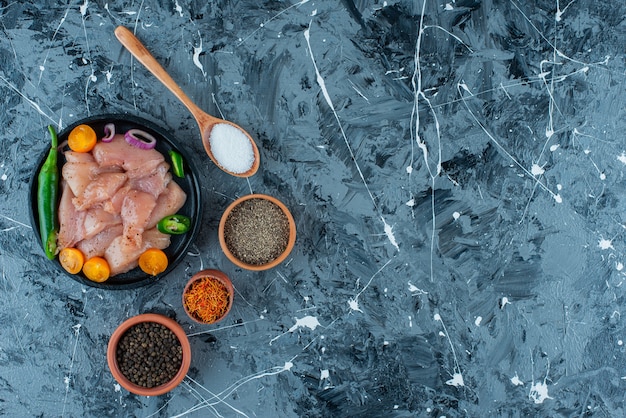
{"x":149,"y":354}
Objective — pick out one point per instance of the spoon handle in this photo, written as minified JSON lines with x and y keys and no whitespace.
{"x":136,"y":48}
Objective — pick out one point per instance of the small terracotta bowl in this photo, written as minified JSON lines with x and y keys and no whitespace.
{"x":208,"y":275}
{"x":112,"y":354}
{"x":278,"y":259}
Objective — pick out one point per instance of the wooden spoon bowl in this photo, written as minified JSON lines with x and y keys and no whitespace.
{"x":205,"y":121}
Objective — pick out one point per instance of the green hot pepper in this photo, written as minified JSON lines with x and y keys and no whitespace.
{"x":177,"y":163}
{"x":174,"y":224}
{"x":47,"y":193}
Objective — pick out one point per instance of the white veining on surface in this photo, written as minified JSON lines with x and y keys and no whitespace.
{"x":42,"y":67}
{"x":223,"y":328}
{"x":539,"y":392}
{"x":68,"y":377}
{"x":563,"y":154}
{"x":31,"y":102}
{"x":213,"y":399}
{"x":91,"y":78}
{"x":457,"y":376}
{"x":516,"y":380}
{"x":464,"y":88}
{"x":390,"y":236}
{"x":308,"y":321}
{"x":418,"y":95}
{"x":422,"y":139}
{"x":197,"y":50}
{"x":353,"y":303}
{"x":178,"y":8}
{"x":133,"y":83}
{"x":322,"y":84}
{"x":416,"y":290}
{"x":15,"y":222}
{"x":265,"y":22}
{"x":457,"y":380}
{"x":605,"y":244}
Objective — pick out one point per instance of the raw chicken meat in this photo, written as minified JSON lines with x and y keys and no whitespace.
{"x":123,"y":255}
{"x":96,"y":245}
{"x":71,"y":221}
{"x":111,"y":200}
{"x":97,"y":220}
{"x":79,"y":174}
{"x":168,"y":203}
{"x":119,"y":153}
{"x":155,"y":183}
{"x":100,"y":189}
{"x":78,"y":157}
{"x":136,"y":209}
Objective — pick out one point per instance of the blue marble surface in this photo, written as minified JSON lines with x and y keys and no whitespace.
{"x":455,"y":169}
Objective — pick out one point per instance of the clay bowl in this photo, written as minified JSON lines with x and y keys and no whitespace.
{"x":189,"y":183}
{"x":231,"y":252}
{"x":125,"y":382}
{"x":204,"y":275}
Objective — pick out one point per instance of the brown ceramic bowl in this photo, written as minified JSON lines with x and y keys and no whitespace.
{"x":275,"y":261}
{"x":217,"y":275}
{"x":112,"y":356}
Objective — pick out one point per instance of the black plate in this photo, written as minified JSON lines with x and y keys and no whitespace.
{"x":192,"y":208}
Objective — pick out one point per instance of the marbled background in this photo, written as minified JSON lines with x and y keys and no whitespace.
{"x":455,"y":169}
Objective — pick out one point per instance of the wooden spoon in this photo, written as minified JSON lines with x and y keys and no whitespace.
{"x":205,"y":121}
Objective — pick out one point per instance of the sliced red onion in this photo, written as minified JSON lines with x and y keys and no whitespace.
{"x":140,"y":139}
{"x":109,"y":132}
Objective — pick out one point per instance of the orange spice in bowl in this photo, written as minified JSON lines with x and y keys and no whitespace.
{"x":208,"y":296}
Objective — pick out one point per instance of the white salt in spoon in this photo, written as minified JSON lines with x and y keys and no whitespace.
{"x":230,"y":147}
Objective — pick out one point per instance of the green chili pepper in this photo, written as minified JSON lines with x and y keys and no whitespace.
{"x":47,"y":192}
{"x":177,"y":163}
{"x":174,"y":224}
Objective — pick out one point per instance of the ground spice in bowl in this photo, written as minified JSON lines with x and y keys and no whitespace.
{"x":206,"y":298}
{"x":149,"y":354}
{"x":256,"y":231}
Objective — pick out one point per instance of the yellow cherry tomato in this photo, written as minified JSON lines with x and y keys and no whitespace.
{"x":72,"y":260}
{"x":97,"y":269}
{"x":82,"y":138}
{"x":153,"y":261}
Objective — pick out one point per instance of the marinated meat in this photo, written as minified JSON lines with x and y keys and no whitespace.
{"x":97,"y":220}
{"x":136,"y":209}
{"x":119,"y":153}
{"x":154,"y":183}
{"x":168,"y":203}
{"x":96,"y":245}
{"x":71,"y":221}
{"x":100,"y":189}
{"x":78,"y":157}
{"x":122,"y":254}
{"x":79,"y":175}
{"x":112,"y":199}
